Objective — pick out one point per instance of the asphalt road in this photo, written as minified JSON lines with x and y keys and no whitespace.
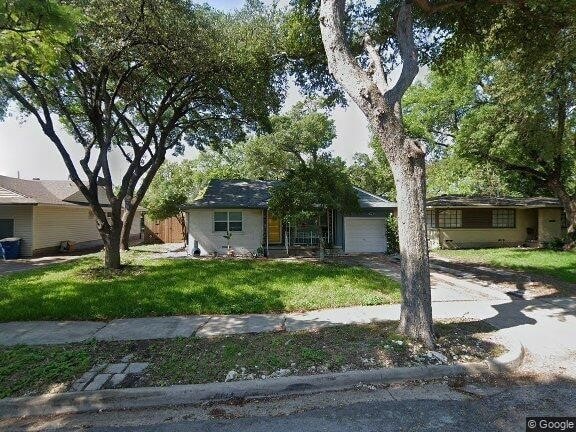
{"x":431,"y":407}
{"x":506,"y":411}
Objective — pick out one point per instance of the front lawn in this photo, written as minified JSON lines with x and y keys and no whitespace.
{"x":26,"y":370}
{"x":561,"y":265}
{"x":82,"y":290}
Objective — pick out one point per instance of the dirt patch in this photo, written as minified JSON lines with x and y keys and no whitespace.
{"x":102,"y":273}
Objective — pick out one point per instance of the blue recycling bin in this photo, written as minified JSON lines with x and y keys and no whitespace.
{"x":10,"y":247}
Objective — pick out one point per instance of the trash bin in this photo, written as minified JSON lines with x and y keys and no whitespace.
{"x":11,"y":247}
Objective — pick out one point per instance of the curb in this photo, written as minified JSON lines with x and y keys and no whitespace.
{"x":138,"y":398}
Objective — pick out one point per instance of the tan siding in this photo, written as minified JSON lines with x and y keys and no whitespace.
{"x":54,"y":224}
{"x":480,"y":237}
{"x":549,"y":224}
{"x":201,"y":229}
{"x":22,"y":215}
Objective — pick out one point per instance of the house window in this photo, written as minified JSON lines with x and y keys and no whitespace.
{"x":6,"y":228}
{"x":450,"y":218}
{"x":503,"y":218}
{"x":228,"y":221}
{"x":430,"y":218}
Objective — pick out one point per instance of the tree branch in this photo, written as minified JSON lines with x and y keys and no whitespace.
{"x":408,"y":54}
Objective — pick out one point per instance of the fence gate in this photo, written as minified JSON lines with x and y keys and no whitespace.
{"x":163,"y":231}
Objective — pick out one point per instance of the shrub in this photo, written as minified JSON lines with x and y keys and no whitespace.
{"x":556,"y":244}
{"x":392,"y":234}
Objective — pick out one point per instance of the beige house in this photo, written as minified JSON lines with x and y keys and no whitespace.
{"x":456,"y":222}
{"x":239,"y":208}
{"x":44,"y":213}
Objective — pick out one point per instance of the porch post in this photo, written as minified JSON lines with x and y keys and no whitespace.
{"x":265,"y":212}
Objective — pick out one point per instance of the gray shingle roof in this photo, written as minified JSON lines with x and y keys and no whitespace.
{"x":256,"y":194}
{"x":461,"y":201}
{"x":56,"y":192}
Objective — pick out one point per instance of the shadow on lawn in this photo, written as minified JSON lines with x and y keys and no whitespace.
{"x":163,"y":287}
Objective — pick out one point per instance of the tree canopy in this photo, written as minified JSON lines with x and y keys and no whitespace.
{"x":127,"y":83}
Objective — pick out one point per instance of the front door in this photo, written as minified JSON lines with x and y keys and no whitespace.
{"x":274,"y":230}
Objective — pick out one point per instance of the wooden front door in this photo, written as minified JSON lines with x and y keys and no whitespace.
{"x":274,"y":230}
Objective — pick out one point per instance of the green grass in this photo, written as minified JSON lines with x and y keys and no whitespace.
{"x":33,"y":370}
{"x":561,"y":265}
{"x":82,"y":290}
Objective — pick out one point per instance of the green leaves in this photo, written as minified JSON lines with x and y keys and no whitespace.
{"x":33,"y":34}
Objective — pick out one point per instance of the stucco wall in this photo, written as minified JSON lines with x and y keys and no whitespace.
{"x":201,"y":229}
{"x":54,"y":224}
{"x":549,"y":224}
{"x":460,"y":238}
{"x":22,"y":215}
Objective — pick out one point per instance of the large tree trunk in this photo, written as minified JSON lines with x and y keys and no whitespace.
{"x":381,"y":105}
{"x":416,"y":310}
{"x":111,"y":241}
{"x":568,"y":202}
{"x":128,"y":220}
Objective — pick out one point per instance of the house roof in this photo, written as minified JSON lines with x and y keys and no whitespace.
{"x":54,"y":192}
{"x":256,"y":194}
{"x":480,"y":201}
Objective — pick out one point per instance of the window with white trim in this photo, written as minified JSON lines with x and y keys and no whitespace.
{"x":430,"y":218}
{"x":503,"y":218}
{"x":225,"y":221}
{"x":450,"y":218}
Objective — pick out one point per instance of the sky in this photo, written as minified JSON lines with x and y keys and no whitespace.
{"x":26,"y":152}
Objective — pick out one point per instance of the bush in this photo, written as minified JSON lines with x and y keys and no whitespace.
{"x":392,"y":234}
{"x":556,"y":244}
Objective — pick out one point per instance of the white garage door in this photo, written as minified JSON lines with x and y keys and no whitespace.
{"x":364,"y":234}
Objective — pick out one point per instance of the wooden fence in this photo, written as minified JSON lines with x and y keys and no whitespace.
{"x":163,"y":231}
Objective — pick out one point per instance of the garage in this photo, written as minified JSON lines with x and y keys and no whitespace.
{"x":364,"y":235}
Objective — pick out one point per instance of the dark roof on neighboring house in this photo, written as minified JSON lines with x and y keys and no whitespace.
{"x":256,"y":194}
{"x":53,"y":192}
{"x":461,"y":201}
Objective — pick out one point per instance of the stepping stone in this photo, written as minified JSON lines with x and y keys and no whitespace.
{"x":98,"y":382}
{"x":136,"y":368}
{"x":115,"y":368}
{"x":117,"y":379}
{"x":127,"y":358}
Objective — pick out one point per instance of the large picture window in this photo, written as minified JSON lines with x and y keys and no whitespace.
{"x":450,"y":218}
{"x":503,"y":218}
{"x":6,"y":228}
{"x":225,"y":221}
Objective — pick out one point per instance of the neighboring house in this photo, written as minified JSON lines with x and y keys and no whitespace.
{"x":44,"y":213}
{"x":241,"y":208}
{"x":456,"y":222}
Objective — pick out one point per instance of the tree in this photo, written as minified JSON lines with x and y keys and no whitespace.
{"x":372,"y":172}
{"x":310,"y":190}
{"x":369,"y":89}
{"x":513,"y":122}
{"x":128,"y":83}
{"x":172,"y":187}
{"x":362,"y":44}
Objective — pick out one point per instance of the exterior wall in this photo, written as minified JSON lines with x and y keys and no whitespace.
{"x":201,"y":230}
{"x":462,"y":238}
{"x":549,"y":224}
{"x":23,"y":227}
{"x":54,"y":224}
{"x":339,"y":222}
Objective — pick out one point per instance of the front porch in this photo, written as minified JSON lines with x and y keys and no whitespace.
{"x":301,"y":239}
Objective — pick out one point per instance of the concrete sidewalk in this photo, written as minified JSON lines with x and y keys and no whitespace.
{"x":453,"y":299}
